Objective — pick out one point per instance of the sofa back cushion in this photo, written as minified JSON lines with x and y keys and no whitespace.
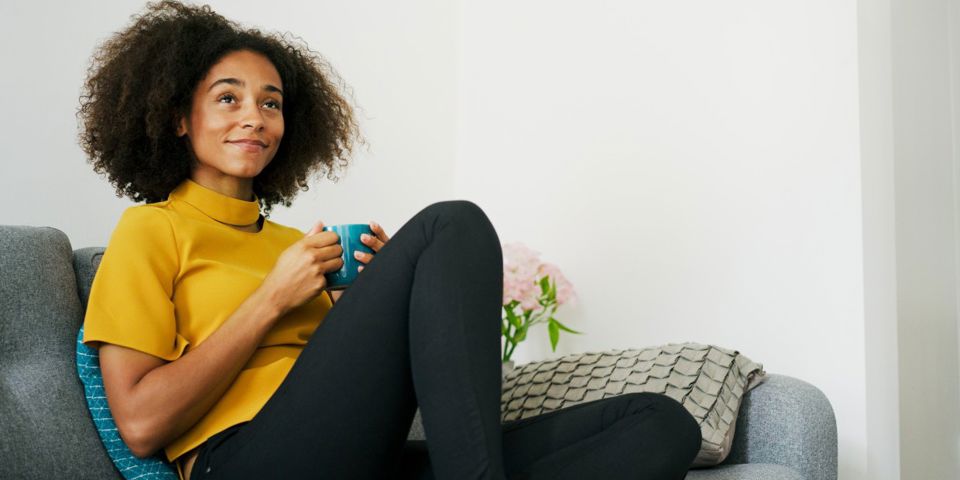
{"x":47,"y":429}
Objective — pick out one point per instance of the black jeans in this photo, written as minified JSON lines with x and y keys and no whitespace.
{"x":421,"y":326}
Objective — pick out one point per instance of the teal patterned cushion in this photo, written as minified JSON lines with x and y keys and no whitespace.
{"x":131,"y":467}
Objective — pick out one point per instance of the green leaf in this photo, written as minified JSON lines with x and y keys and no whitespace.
{"x":520,"y":336}
{"x":512,"y":317}
{"x":564,"y":327}
{"x":545,"y":284}
{"x":554,"y":334}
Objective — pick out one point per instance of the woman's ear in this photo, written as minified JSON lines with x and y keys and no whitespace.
{"x":180,"y":123}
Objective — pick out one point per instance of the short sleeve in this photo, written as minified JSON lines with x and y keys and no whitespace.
{"x":131,"y":299}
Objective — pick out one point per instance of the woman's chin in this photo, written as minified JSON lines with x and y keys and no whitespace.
{"x":246,"y":169}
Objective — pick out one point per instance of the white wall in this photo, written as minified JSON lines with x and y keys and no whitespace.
{"x":745,"y":173}
{"x":926,"y":216}
{"x":694,"y":167}
{"x":879,"y":241}
{"x":397,"y":57}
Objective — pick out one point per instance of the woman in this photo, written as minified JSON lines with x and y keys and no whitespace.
{"x":218,"y":342}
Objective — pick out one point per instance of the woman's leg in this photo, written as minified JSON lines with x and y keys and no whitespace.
{"x":421,"y":324}
{"x":635,"y":436}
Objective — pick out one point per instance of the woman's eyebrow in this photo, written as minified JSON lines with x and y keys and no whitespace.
{"x":240,"y":83}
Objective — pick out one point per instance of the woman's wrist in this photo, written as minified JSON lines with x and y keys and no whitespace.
{"x":268,"y":305}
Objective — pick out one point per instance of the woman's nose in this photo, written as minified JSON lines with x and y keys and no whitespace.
{"x":252,"y":116}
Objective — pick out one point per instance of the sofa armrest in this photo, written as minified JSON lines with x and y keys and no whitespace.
{"x":789,"y":422}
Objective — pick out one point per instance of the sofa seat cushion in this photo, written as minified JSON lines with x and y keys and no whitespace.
{"x":751,"y":471}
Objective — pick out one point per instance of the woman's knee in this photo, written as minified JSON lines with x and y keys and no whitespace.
{"x":454,"y":209}
{"x":670,"y":413}
{"x":631,"y":403}
{"x":685,"y":428}
{"x":457,"y":211}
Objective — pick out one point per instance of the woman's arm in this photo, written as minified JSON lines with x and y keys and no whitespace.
{"x":154,"y":402}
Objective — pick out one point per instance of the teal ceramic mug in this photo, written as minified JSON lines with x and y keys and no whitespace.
{"x":350,"y":241}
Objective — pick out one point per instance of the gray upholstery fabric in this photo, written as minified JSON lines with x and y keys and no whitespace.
{"x":47,"y":430}
{"x":753,"y":471}
{"x":788,"y":422}
{"x":786,"y":428}
{"x":416,"y":428}
{"x":85,"y":264}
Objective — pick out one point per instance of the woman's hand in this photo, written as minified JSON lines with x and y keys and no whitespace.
{"x":298,"y":275}
{"x":375,"y":243}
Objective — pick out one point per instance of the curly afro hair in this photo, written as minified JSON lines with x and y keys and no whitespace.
{"x":142,"y":79}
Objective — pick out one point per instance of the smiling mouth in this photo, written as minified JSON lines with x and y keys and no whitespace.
{"x":252,"y":141}
{"x":252,"y":147}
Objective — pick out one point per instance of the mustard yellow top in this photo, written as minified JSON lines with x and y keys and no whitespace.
{"x":172,"y":273}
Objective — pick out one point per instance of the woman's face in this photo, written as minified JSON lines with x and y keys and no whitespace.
{"x":236,"y":123}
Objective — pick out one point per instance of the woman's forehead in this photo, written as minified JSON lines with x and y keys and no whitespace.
{"x":241,"y":67}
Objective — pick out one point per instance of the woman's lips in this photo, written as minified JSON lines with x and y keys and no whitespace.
{"x":250,"y":147}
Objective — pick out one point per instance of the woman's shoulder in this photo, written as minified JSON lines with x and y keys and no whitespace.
{"x":150,"y":214}
{"x":148,"y":224}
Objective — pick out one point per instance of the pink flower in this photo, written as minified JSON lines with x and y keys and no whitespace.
{"x":520,"y":265}
{"x":519,"y":259}
{"x":565,"y":291}
{"x":531,"y":303}
{"x":524,"y":276}
{"x":522,"y":271}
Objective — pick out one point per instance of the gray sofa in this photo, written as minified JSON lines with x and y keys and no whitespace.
{"x":786,"y":428}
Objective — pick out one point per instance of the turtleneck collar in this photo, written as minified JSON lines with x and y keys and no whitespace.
{"x":220,"y":207}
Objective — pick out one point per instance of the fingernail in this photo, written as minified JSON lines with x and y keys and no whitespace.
{"x":357,"y":255}
{"x":364,"y":237}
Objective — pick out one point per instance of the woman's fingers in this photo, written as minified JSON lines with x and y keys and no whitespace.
{"x":373,"y":242}
{"x":363,"y":257}
{"x":332,"y":265}
{"x":317,"y":228}
{"x":378,"y":240}
{"x":378,"y":231}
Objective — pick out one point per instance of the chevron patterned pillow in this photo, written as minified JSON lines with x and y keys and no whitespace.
{"x":709,"y":381}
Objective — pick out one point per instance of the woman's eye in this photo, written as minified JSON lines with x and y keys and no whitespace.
{"x":226,"y":96}
{"x":273,"y":104}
